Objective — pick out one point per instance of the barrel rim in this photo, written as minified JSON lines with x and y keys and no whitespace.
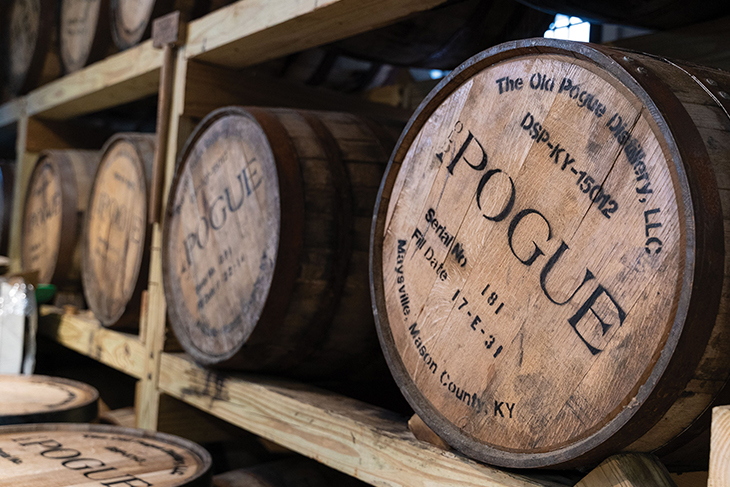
{"x":202,"y":478}
{"x":155,"y":11}
{"x":89,"y":288}
{"x":581,"y":450}
{"x":86,"y":411}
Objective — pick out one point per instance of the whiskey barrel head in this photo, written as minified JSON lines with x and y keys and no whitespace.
{"x":42,"y":219}
{"x":116,"y":236}
{"x":59,"y":455}
{"x":29,"y":24}
{"x":539,"y":250}
{"x":221,"y":235}
{"x":41,"y":399}
{"x":82,"y":33}
{"x":130,"y":20}
{"x":55,"y":202}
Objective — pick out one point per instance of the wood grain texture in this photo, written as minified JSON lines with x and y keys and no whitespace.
{"x":719,"y":473}
{"x":249,"y":32}
{"x":628,"y":470}
{"x":43,"y":399}
{"x":266,"y":240}
{"x":358,"y":439}
{"x":55,"y":203}
{"x":84,"y":34}
{"x":118,"y":79}
{"x":63,"y":455}
{"x":85,"y":335}
{"x":116,"y":236}
{"x":547,"y":265}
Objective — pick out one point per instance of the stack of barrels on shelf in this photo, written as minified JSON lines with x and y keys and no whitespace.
{"x":548,"y":257}
{"x":84,"y":221}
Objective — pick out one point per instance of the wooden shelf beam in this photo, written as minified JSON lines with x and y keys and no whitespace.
{"x":358,"y":439}
{"x":118,"y":79}
{"x":85,"y":335}
{"x":246,"y":33}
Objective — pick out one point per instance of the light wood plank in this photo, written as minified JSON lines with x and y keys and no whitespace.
{"x":122,"y":78}
{"x":85,"y":335}
{"x":369,"y":443}
{"x":720,"y":448}
{"x":12,"y":111}
{"x":628,"y":470}
{"x":251,"y":31}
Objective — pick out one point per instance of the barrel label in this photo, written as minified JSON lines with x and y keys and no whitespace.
{"x":223,"y":234}
{"x":94,"y":459}
{"x":42,"y":220}
{"x":533,"y":252}
{"x":116,"y":229}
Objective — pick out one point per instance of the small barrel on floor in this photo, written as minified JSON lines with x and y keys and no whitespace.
{"x":59,"y":455}
{"x":43,"y":399}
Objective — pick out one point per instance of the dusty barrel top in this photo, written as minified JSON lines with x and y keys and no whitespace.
{"x":38,"y":398}
{"x":66,"y":455}
{"x":546,"y":273}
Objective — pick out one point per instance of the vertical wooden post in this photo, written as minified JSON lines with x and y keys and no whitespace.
{"x":719,"y":474}
{"x":167,"y":35}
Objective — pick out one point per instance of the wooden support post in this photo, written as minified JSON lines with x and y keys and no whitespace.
{"x":166,"y":35}
{"x":628,"y":470}
{"x":720,"y":448}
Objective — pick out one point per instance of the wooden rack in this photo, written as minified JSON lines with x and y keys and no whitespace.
{"x":369,"y":443}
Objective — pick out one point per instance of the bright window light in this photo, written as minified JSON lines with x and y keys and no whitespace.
{"x":569,"y":28}
{"x":436,"y":74}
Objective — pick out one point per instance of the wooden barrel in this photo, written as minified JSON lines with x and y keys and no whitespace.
{"x":53,"y":215}
{"x":447,"y":34}
{"x":84,"y":35}
{"x":7,"y":173}
{"x":116,"y":242}
{"x":131,"y":20}
{"x":42,"y":399}
{"x":266,"y":237}
{"x":59,"y":455}
{"x":548,"y":264}
{"x":28,"y":45}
